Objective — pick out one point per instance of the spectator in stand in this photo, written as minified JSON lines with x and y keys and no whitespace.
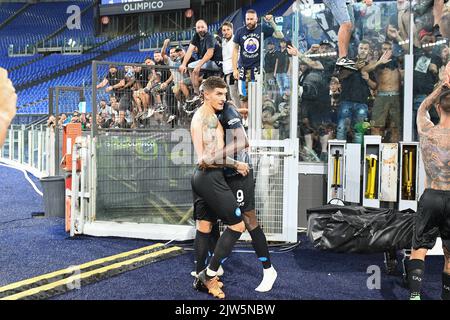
{"x":387,"y":108}
{"x":114,"y":105}
{"x":282,"y":70}
{"x":269,"y":68}
{"x":207,"y":55}
{"x":51,"y":122}
{"x":122,"y":122}
{"x":75,"y":117}
{"x":437,"y":6}
{"x":109,"y":123}
{"x":227,"y":66}
{"x":104,"y":109}
{"x":445,"y":59}
{"x":353,"y":114}
{"x":335,"y":99}
{"x":128,"y":82}
{"x":426,"y":75}
{"x":84,"y":122}
{"x":247,"y":50}
{"x":141,"y":98}
{"x":114,"y":79}
{"x":62,"y":120}
{"x":100,"y":121}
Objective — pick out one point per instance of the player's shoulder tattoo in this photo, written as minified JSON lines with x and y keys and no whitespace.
{"x":211,"y":121}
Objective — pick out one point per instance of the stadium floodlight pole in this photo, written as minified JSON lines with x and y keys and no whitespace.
{"x":94,"y":99}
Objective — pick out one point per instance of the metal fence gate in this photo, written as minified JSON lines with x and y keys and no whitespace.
{"x":139,"y":179}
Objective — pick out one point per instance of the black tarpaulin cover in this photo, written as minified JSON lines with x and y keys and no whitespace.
{"x":359,"y":229}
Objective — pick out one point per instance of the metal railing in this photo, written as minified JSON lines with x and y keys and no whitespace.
{"x":32,"y":147}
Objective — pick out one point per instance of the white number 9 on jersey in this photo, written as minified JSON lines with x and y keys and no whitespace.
{"x":240,"y":196}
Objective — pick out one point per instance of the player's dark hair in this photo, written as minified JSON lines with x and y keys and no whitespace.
{"x":251,"y":11}
{"x":213,"y":83}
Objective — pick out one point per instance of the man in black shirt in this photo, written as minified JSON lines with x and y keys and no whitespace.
{"x":141,"y":98}
{"x":113,"y":79}
{"x":204,"y":42}
{"x":127,"y":82}
{"x":327,"y":58}
{"x":120,"y":84}
{"x":122,"y":122}
{"x":269,"y":67}
{"x":355,"y":86}
{"x":282,"y":69}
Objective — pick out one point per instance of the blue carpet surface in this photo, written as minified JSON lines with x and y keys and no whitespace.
{"x":31,"y":247}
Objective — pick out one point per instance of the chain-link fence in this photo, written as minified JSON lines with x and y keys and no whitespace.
{"x":144,"y":177}
{"x":269,"y":183}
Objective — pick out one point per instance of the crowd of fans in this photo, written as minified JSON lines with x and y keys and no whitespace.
{"x":334,"y":102}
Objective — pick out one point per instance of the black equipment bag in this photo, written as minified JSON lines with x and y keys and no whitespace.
{"x":358,"y":229}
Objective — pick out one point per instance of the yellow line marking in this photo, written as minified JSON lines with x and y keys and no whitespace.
{"x":82,"y":266}
{"x":71,"y":279}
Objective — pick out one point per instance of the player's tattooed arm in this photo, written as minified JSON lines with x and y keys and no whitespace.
{"x":424,"y":122}
{"x":435,"y":147}
{"x":213,"y":153}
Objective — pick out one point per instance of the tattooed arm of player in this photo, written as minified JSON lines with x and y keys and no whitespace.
{"x":214,"y":155}
{"x":206,"y":133}
{"x":197,"y":136}
{"x":423,"y":117}
{"x":239,"y":142}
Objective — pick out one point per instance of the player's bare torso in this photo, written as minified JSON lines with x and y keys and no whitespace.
{"x":211,"y":131}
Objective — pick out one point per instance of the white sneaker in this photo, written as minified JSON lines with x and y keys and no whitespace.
{"x":220,"y":272}
{"x":270,"y":275}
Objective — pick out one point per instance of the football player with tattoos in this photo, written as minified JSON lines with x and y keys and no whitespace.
{"x":433,"y":215}
{"x":213,"y":198}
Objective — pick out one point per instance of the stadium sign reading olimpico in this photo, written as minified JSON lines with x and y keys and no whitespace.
{"x":112,"y":7}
